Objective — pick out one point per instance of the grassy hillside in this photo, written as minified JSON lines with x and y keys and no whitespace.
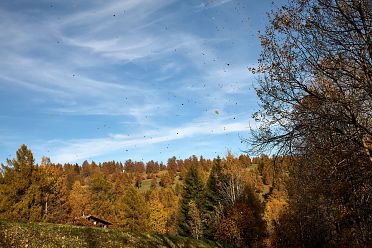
{"x":16,"y":234}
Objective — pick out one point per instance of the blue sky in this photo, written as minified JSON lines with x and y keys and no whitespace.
{"x":140,"y":79}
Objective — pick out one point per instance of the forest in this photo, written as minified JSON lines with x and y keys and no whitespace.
{"x":315,"y":121}
{"x":220,"y":199}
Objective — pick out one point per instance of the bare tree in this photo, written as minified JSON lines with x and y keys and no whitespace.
{"x":316,"y":94}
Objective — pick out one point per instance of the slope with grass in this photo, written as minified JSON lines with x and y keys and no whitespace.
{"x":18,"y":234}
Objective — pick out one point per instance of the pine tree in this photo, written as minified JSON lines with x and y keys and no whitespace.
{"x":213,"y":199}
{"x":193,"y":191}
{"x":212,"y":195}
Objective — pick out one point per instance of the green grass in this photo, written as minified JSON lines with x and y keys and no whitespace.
{"x":252,"y":167}
{"x":39,"y":235}
{"x":145,"y":185}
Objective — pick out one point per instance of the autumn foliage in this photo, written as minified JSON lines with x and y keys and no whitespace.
{"x":217,"y":199}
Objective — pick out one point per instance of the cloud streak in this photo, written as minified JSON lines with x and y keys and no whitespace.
{"x":77,"y":150}
{"x":211,"y":4}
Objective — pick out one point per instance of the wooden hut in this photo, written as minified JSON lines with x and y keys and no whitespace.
{"x":97,"y":221}
{"x":90,"y":220}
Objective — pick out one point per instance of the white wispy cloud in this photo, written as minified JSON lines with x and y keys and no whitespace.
{"x":232,"y":79}
{"x":121,"y":30}
{"x":135,"y":12}
{"x":77,"y":93}
{"x":59,"y":79}
{"x":77,"y":150}
{"x":221,"y":87}
{"x":206,"y":4}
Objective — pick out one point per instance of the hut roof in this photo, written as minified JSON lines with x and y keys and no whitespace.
{"x":93,"y":218}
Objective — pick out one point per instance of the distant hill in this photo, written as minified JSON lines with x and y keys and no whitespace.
{"x":38,"y":235}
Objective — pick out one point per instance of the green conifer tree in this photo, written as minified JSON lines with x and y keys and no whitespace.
{"x":212,"y":194}
{"x":213,"y":199}
{"x":193,"y":191}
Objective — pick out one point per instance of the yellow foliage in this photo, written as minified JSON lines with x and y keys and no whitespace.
{"x":79,"y":200}
{"x":158,"y":216}
{"x":273,"y":210}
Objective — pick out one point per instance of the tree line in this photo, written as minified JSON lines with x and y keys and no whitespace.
{"x":228,"y":199}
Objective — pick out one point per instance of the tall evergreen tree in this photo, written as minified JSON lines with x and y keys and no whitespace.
{"x":193,"y":191}
{"x":213,"y":198}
